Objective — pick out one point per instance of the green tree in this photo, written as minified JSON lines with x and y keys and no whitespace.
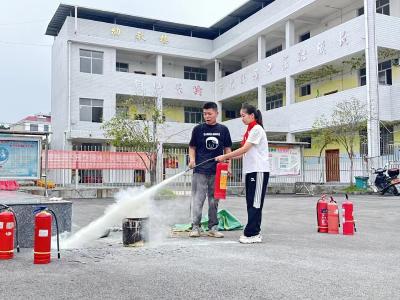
{"x":342,"y":127}
{"x":135,"y":126}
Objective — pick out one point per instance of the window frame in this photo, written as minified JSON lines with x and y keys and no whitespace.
{"x":307,"y":92}
{"x":362,"y":76}
{"x":230,"y":114}
{"x":195,"y":73}
{"x":273,"y":51}
{"x":33,"y":126}
{"x":384,"y":8}
{"x":302,"y":37}
{"x":120,"y":68}
{"x":386,"y":71}
{"x":274,"y":101}
{"x":193,"y":115}
{"x":92,"y":107}
{"x":91,"y":59}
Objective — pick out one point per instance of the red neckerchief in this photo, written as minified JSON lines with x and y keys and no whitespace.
{"x":246,"y":134}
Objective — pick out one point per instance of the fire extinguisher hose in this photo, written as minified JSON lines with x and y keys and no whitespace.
{"x":200,"y":164}
{"x":58,"y":233}
{"x":16,"y":223}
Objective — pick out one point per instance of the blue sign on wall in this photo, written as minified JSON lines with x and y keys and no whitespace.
{"x":19,"y":158}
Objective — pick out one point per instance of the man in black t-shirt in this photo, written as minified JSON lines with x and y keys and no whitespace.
{"x":209,"y":140}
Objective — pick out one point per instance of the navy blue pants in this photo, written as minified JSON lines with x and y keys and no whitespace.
{"x":256,"y":187}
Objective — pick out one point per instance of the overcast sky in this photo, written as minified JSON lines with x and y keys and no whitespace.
{"x":25,"y":52}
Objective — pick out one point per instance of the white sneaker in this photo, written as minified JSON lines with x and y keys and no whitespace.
{"x":195,"y":232}
{"x":250,"y":240}
{"x":215,"y":234}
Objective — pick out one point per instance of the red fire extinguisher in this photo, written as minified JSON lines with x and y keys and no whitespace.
{"x":8,"y":225}
{"x":221,"y":179}
{"x":42,"y":238}
{"x":333,"y":217}
{"x":322,"y":214}
{"x":349,"y":226}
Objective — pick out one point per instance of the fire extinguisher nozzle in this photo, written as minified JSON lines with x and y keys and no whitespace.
{"x":58,"y":255}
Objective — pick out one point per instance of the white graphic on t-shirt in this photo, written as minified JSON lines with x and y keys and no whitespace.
{"x":212,"y":143}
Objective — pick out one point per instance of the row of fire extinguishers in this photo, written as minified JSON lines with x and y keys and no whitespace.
{"x":42,"y":234}
{"x":328,"y":216}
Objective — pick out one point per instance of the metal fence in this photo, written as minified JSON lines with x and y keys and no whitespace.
{"x":101,"y":167}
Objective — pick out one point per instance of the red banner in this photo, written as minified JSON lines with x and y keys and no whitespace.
{"x":95,"y":160}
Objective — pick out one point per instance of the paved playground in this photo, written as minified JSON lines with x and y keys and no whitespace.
{"x":293,"y":262}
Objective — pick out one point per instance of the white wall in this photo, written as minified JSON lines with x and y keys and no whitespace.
{"x":100,"y":33}
{"x":59,"y":91}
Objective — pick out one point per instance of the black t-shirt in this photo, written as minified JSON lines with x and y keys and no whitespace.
{"x":210,"y":141}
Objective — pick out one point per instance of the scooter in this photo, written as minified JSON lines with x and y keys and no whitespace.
{"x":386,"y":181}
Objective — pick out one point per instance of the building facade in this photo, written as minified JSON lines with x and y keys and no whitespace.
{"x":36,"y":123}
{"x":295,"y":60}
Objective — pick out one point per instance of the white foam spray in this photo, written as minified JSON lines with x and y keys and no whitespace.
{"x":131,"y":203}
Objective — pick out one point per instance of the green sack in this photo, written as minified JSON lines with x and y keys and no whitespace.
{"x":226,"y":221}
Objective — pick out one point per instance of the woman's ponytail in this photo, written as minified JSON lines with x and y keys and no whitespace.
{"x":250,"y":109}
{"x":258,"y":117}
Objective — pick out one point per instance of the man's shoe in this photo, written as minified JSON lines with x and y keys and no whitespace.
{"x":250,"y":239}
{"x":215,"y":233}
{"x":195,"y":232}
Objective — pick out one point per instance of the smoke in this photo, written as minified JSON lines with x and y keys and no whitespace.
{"x":131,"y":203}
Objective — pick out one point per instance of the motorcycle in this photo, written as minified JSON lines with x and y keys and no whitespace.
{"x":386,"y":181}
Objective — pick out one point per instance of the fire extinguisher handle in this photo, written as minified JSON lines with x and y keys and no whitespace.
{"x":3,"y":206}
{"x":39,"y":208}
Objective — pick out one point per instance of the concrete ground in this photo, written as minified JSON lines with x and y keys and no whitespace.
{"x":293,"y":262}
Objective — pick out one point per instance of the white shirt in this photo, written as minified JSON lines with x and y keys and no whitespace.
{"x":257,"y":158}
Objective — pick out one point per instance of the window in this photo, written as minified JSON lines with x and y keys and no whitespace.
{"x":34,"y":127}
{"x":122,"y":67}
{"x":91,"y":61}
{"x":305,"y":90}
{"x":385,"y":72}
{"x":383,"y":7}
{"x":274,"y":101}
{"x":195,"y":73}
{"x":230,"y":114}
{"x":306,"y":139}
{"x":139,"y":176}
{"x":193,"y":115}
{"x":363,"y":76}
{"x":304,"y":36}
{"x":387,"y":139}
{"x":91,"y":110}
{"x":273,"y":51}
{"x":46,"y":128}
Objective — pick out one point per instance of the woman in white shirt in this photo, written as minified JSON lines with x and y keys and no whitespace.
{"x":256,"y":169}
